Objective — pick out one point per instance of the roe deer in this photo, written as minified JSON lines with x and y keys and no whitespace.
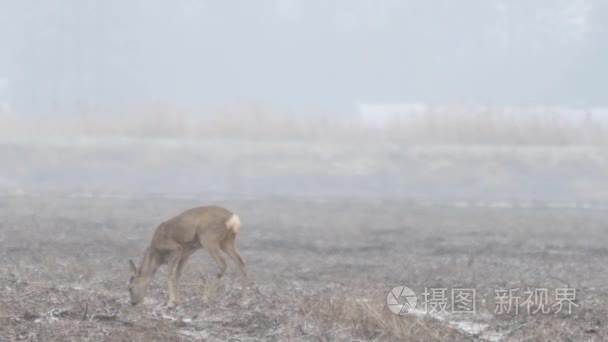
{"x":213,"y":228}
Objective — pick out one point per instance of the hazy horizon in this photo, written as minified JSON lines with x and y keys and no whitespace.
{"x":61,"y":56}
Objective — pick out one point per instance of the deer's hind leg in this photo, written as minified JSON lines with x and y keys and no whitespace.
{"x":229,"y":247}
{"x":214,"y":250}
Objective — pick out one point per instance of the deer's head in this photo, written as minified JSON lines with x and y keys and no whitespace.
{"x":138,"y":285}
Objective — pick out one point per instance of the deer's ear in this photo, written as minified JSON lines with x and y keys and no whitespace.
{"x":133,"y":268}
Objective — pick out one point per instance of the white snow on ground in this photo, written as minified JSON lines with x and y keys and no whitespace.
{"x":477,"y":328}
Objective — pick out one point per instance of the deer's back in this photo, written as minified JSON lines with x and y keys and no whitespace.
{"x":187,"y":227}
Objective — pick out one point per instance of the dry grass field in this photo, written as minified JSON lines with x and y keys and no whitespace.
{"x":402,"y":170}
{"x":320,"y":270}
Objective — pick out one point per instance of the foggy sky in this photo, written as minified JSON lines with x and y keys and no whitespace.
{"x":58,"y":55}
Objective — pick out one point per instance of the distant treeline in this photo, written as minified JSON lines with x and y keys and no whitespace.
{"x":260,"y":123}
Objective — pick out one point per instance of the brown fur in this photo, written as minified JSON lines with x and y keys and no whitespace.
{"x":174,"y":241}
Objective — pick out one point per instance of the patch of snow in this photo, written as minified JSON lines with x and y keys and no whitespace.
{"x":197,"y":335}
{"x":469,"y":327}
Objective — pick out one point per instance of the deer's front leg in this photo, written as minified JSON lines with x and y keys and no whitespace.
{"x":173,"y":275}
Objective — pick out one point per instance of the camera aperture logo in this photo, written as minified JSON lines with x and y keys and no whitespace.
{"x":401,"y":300}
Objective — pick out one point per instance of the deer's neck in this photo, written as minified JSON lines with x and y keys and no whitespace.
{"x":149,"y":263}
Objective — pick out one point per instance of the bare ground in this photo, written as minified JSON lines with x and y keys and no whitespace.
{"x":319,"y":270}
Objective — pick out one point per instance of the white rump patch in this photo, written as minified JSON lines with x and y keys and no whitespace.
{"x":233,"y":223}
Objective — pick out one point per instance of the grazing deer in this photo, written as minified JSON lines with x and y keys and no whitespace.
{"x":213,"y":228}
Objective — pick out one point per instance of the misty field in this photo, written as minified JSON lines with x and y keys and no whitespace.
{"x":320,"y":269}
{"x":403,"y":170}
{"x":519,"y":175}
